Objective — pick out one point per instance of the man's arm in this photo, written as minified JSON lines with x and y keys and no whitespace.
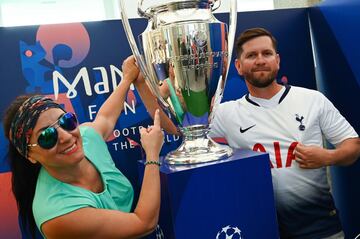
{"x":345,"y":153}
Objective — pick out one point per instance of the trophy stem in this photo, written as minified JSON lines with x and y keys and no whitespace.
{"x":197,"y":147}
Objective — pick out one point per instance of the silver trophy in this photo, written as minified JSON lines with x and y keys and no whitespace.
{"x":184,"y":55}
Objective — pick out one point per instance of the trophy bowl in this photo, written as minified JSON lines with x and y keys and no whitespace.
{"x":184,"y":54}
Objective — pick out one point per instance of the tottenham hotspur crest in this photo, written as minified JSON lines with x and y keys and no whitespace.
{"x":300,"y":119}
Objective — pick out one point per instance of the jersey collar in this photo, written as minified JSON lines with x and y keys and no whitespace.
{"x":287,"y":89}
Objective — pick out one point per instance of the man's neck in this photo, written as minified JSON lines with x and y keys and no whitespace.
{"x":264,"y":93}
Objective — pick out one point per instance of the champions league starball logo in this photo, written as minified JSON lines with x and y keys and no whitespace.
{"x":159,"y":233}
{"x":229,"y":232}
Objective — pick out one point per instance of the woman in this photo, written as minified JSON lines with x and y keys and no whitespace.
{"x":64,"y":179}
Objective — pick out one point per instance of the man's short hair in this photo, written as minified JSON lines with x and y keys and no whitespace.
{"x":250,"y":34}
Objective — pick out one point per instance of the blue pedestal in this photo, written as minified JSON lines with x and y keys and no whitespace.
{"x":232,"y":196}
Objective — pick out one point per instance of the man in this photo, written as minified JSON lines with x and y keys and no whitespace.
{"x":288,"y":122}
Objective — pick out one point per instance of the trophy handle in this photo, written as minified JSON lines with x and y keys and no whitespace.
{"x":212,"y":4}
{"x":230,"y":45}
{"x":141,"y":12}
{"x":147,"y":15}
{"x":139,"y":58}
{"x":232,"y":31}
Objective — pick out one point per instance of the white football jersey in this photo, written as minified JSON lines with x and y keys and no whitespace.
{"x":304,"y":204}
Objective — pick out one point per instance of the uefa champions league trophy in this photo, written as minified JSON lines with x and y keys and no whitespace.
{"x":184,"y":56}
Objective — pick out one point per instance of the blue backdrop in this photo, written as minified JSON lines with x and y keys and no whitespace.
{"x":79,"y":64}
{"x":337,"y":36}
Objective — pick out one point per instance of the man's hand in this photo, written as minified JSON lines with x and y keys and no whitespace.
{"x":312,"y":156}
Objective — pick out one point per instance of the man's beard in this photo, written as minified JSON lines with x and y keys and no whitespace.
{"x":260,"y":82}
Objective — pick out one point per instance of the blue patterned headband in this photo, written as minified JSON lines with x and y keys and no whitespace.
{"x":25,"y":120}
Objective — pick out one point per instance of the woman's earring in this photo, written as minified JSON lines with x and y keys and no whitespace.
{"x":32,"y":160}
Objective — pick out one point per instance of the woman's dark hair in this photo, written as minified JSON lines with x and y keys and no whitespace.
{"x":24,"y":173}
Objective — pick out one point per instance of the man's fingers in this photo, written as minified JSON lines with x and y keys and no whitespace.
{"x":303,"y":166}
{"x":302,"y":163}
{"x":302,"y":149}
{"x":298,"y":152}
{"x":299,"y":147}
{"x":157,"y":118}
{"x":299,"y":160}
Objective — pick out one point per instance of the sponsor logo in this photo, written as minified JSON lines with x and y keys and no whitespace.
{"x":246,"y":129}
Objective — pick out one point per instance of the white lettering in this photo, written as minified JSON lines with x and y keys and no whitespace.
{"x":171,"y":138}
{"x":123,"y":145}
{"x":72,"y":93}
{"x":125,"y":132}
{"x":132,"y":146}
{"x":92,"y":113}
{"x":83,"y":74}
{"x":115,"y":146}
{"x":114,"y":71}
{"x":105,"y":81}
{"x":128,"y":107}
{"x":116,"y":133}
{"x":133,"y":130}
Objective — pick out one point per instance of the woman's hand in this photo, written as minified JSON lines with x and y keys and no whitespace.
{"x":130,"y":69}
{"x":152,"y":138}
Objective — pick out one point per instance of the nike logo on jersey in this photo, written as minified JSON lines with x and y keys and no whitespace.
{"x":246,"y":129}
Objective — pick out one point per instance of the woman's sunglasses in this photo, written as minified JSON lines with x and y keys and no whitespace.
{"x":48,"y":137}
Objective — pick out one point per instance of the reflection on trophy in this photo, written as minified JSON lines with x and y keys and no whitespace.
{"x":184,"y":55}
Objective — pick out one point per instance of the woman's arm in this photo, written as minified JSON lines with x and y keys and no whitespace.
{"x":102,"y":223}
{"x":111,"y":109}
{"x":151,"y":104}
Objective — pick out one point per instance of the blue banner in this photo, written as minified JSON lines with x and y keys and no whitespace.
{"x":336,"y":39}
{"x":79,"y":65}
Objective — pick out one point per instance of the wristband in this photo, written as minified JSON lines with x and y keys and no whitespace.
{"x":153,"y":162}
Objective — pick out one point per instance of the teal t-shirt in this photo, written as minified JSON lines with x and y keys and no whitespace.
{"x":54,"y":198}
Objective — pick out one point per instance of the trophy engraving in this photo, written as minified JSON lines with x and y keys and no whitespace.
{"x":184,"y":55}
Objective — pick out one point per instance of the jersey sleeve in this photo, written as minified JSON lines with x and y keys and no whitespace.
{"x":216,"y":128}
{"x":334,"y":126}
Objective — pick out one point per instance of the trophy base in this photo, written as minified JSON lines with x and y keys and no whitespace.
{"x":200,"y":150}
